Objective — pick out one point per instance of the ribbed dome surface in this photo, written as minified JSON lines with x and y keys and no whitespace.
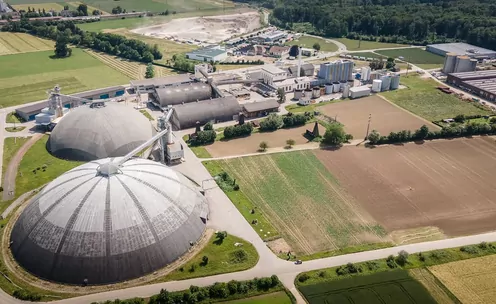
{"x":94,"y":133}
{"x":86,"y":225}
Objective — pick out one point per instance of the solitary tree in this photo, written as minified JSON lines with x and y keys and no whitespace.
{"x":390,"y":63}
{"x":263,"y":146}
{"x":374,"y":137}
{"x":61,"y":49}
{"x":334,"y":135}
{"x":290,"y":143}
{"x":316,"y":46}
{"x":150,"y":71}
{"x":281,"y":95}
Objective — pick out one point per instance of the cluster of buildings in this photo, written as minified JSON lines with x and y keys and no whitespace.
{"x":480,"y":83}
{"x":461,"y":49}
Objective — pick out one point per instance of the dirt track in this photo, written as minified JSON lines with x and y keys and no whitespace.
{"x":386,"y":118}
{"x":11,"y":172}
{"x":446,"y":183}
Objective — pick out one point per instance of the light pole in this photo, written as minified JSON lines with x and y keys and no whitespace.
{"x":368,"y":126}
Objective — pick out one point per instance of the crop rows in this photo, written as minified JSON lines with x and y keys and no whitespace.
{"x":11,"y":43}
{"x":133,"y":70}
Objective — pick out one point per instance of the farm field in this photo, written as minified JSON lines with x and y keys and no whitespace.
{"x":416,"y":56}
{"x":39,"y":5}
{"x":352,"y":45}
{"x":422,"y":98}
{"x":436,"y":289}
{"x":444,"y":184}
{"x":75,"y":4}
{"x":384,"y":287}
{"x":26,"y":77}
{"x":308,"y":42}
{"x":471,"y":281}
{"x":250,"y":144}
{"x":271,"y":298}
{"x":12,"y":43}
{"x":386,"y":118}
{"x":303,"y":201}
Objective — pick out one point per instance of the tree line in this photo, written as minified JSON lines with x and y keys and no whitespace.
{"x":398,"y":21}
{"x":105,"y":42}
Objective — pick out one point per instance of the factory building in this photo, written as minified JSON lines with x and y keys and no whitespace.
{"x":278,"y":51}
{"x":92,"y":132}
{"x":271,"y":74}
{"x":272,"y":37}
{"x":339,"y":70}
{"x":208,"y":54}
{"x":461,"y":49}
{"x":480,"y":83}
{"x":149,"y":85}
{"x":188,"y":115}
{"x":307,"y":69}
{"x":183,"y":93}
{"x":260,"y":108}
{"x":458,"y":64}
{"x":291,"y":84}
{"x":103,"y":223}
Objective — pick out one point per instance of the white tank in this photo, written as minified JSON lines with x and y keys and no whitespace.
{"x":342,"y":84}
{"x":365,"y":73}
{"x":328,"y":89}
{"x":346,"y":91}
{"x":316,"y":92}
{"x":463,"y":64}
{"x":386,"y":83}
{"x":449,"y":63}
{"x":335,"y":87}
{"x":376,"y":85}
{"x":395,"y":82}
{"x":298,"y":94}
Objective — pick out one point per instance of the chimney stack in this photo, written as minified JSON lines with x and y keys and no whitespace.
{"x":299,"y":62}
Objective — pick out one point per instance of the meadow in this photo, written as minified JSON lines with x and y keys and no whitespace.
{"x":391,"y":286}
{"x":33,"y":5}
{"x":422,"y":98}
{"x":308,"y":42}
{"x":353,"y":45}
{"x":12,"y":43}
{"x":279,"y":297}
{"x":303,"y":201}
{"x":26,"y":77}
{"x":416,"y":56}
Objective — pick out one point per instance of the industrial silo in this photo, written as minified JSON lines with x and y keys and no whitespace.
{"x":298,"y":94}
{"x":335,"y":86}
{"x":328,"y":88}
{"x":365,"y":73}
{"x":315,"y":92}
{"x":376,"y":85}
{"x":322,"y":90}
{"x":463,"y":64}
{"x":449,"y":63}
{"x":351,"y":83}
{"x":346,"y":91}
{"x":395,"y":82}
{"x":386,"y":83}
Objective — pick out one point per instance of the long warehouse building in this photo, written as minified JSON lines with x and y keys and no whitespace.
{"x":480,"y":83}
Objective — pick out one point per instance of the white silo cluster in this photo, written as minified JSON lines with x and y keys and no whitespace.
{"x":385,"y":82}
{"x":376,"y":85}
{"x":458,"y":64}
{"x":365,"y":73}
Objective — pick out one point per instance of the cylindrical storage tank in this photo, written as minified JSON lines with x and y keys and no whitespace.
{"x":365,"y":72}
{"x":449,"y":63}
{"x":316,"y":92}
{"x":473,"y":64}
{"x":298,"y":94}
{"x":335,"y":86}
{"x":386,"y":83}
{"x":308,"y":93}
{"x":342,"y":84}
{"x":328,"y":89}
{"x":376,"y":85}
{"x":463,"y":64}
{"x":322,"y":90}
{"x":351,"y":83}
{"x":346,"y":91}
{"x":395,"y":82}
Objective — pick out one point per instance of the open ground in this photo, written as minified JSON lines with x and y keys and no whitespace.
{"x":308,"y":42}
{"x":422,"y":98}
{"x":445,"y":184}
{"x":12,"y":43}
{"x":204,"y":29}
{"x":250,"y":144}
{"x":26,"y":77}
{"x":303,"y":201}
{"x":386,"y":117}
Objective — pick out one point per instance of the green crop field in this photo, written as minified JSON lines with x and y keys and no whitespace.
{"x":385,"y":287}
{"x":416,"y":56}
{"x":26,"y":77}
{"x":352,"y":45}
{"x":302,"y":200}
{"x":308,"y":42}
{"x":271,"y":298}
{"x":422,"y":98}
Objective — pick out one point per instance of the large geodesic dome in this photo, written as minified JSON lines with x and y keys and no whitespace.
{"x":106,"y":223}
{"x":89,"y":133}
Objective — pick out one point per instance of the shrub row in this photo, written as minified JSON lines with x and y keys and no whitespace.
{"x":26,"y":295}
{"x":238,"y":131}
{"x":226,"y":183}
{"x":291,"y":120}
{"x":203,"y":137}
{"x":274,"y":121}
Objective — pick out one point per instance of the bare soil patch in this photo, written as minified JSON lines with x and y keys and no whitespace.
{"x":250,"y":144}
{"x":386,"y":117}
{"x":446,"y":184}
{"x":204,"y":29}
{"x":279,"y":246}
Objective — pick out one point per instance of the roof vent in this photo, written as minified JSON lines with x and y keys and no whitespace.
{"x":108,"y":169}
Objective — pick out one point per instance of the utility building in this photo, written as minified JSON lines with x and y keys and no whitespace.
{"x":461,"y":49}
{"x":207,"y":54}
{"x":271,"y":74}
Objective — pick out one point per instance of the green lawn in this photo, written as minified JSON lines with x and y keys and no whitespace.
{"x":416,"y":56}
{"x":422,"y":98}
{"x":147,"y":115}
{"x":12,"y":118}
{"x":31,"y":174}
{"x":223,"y":257}
{"x":200,"y":152}
{"x":396,"y":286}
{"x":308,"y":42}
{"x":271,"y":298}
{"x":352,"y":45}
{"x":296,"y":108}
{"x":10,"y":147}
{"x":16,"y":129}
{"x":26,"y":77}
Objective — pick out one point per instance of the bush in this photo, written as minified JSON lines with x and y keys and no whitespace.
{"x":26,"y":295}
{"x":208,"y":126}
{"x":303,"y":277}
{"x":349,"y":268}
{"x":238,"y":131}
{"x":238,"y":256}
{"x":421,"y":257}
{"x":374,"y":137}
{"x":334,"y":135}
{"x":469,"y":249}
{"x":438,"y":254}
{"x":402,"y":258}
{"x":194,"y":288}
{"x":372,"y":265}
{"x":391,"y":263}
{"x":348,"y":137}
{"x":459,"y":118}
{"x":322,"y":274}
{"x":271,"y":123}
{"x":204,"y":260}
{"x":292,"y":120}
{"x":204,"y":137}
{"x":218,"y":291}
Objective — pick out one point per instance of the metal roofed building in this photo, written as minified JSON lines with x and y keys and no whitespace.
{"x":213,"y":53}
{"x":271,"y":74}
{"x":260,"y":108}
{"x":109,"y":224}
{"x":481,"y":83}
{"x":88,"y":133}
{"x":219,"y":109}
{"x":182,"y":94}
{"x":456,"y":77}
{"x":161,"y":82}
{"x":460,"y":48}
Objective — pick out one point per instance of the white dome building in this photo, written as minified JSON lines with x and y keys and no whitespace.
{"x":91,"y":132}
{"x":107,"y":223}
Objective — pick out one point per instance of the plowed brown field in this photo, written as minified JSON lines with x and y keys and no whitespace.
{"x":386,"y":117}
{"x":448,"y":183}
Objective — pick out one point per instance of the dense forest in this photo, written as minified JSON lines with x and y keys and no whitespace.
{"x":68,"y":31}
{"x":402,"y":21}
